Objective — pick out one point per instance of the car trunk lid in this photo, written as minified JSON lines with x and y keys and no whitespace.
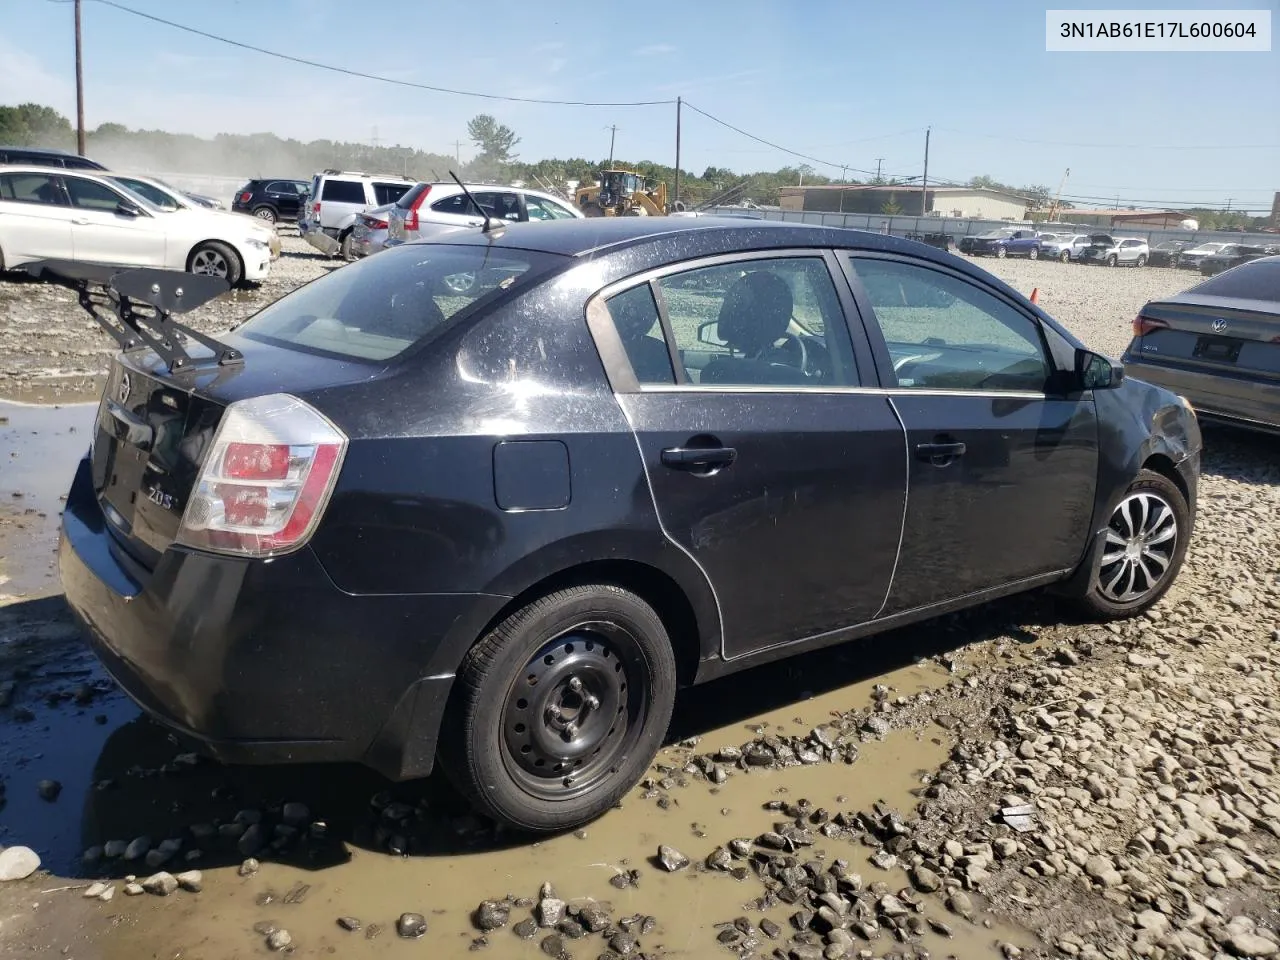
{"x":1214,"y":334}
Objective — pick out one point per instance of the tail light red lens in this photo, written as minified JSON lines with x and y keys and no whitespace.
{"x":1142,"y":325}
{"x":378,"y":225}
{"x":245,"y":196}
{"x":267,"y":478}
{"x":411,"y":215}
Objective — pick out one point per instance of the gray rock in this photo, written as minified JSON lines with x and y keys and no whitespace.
{"x":114,"y":848}
{"x":492,"y":914}
{"x":133,"y":890}
{"x":411,"y":926}
{"x":49,"y":790}
{"x":624,"y":944}
{"x":106,"y":895}
{"x":595,"y":918}
{"x":157,"y":858}
{"x":925,"y":880}
{"x":1153,"y":921}
{"x":525,"y":929}
{"x":94,"y":890}
{"x":553,"y":946}
{"x":161,"y":884}
{"x":249,"y":867}
{"x":890,"y":906}
{"x":350,"y":924}
{"x":279,"y":940}
{"x":960,"y":904}
{"x":550,"y":911}
{"x":191,"y":881}
{"x":672,"y":859}
{"x":877,"y":725}
{"x":884,"y":859}
{"x":137,"y":848}
{"x":18,"y":863}
{"x":251,"y":840}
{"x":1246,"y":944}
{"x":719,"y":859}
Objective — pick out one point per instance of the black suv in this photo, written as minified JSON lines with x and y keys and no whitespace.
{"x":272,"y":200}
{"x":48,"y":157}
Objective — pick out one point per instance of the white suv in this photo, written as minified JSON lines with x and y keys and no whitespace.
{"x":87,"y":215}
{"x":437,"y":207}
{"x":337,"y":198}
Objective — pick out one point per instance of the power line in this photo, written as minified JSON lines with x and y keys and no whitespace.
{"x":372,"y":76}
{"x":767,"y":143}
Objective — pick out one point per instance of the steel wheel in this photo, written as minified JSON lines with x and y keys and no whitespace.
{"x":210,"y":262}
{"x":1001,"y":252}
{"x":1064,"y":256}
{"x":1142,"y":538}
{"x":265,"y":213}
{"x":572,"y":713}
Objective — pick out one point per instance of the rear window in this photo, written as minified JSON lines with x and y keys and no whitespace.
{"x":410,"y":197}
{"x":343,"y":191}
{"x":1256,"y":280}
{"x":389,"y":192}
{"x":380,"y":306}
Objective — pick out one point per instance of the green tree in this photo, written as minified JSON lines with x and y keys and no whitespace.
{"x":494,"y":139}
{"x":891,"y":207}
{"x":33,"y":124}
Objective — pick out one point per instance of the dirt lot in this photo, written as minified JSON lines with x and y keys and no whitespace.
{"x":844,"y":803}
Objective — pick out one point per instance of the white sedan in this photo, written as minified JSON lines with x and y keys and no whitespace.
{"x":48,"y":213}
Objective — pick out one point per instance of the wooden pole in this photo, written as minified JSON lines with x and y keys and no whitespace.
{"x":79,"y":88}
{"x":676,"y":196}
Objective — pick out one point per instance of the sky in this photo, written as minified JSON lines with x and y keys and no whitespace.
{"x":848,"y":82}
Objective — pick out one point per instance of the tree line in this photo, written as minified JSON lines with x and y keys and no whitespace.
{"x":496,"y":160}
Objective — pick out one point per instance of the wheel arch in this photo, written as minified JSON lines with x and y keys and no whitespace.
{"x":229,"y":244}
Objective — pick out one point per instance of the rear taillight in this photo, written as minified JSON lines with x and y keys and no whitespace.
{"x":378,"y":225}
{"x":315,"y":210}
{"x":411,"y":215}
{"x":245,"y":196}
{"x":266,"y":480}
{"x":1142,"y":325}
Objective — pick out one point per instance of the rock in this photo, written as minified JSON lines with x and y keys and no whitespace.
{"x":1103,"y":870}
{"x":279,"y":939}
{"x":161,"y":884}
{"x":350,"y":924}
{"x":49,"y":790}
{"x":137,"y":848}
{"x":114,"y":848}
{"x":1154,"y":921}
{"x":18,"y":863}
{"x":925,"y":880}
{"x":550,"y":911}
{"x":525,"y":929}
{"x":492,"y":914}
{"x":1246,"y":944}
{"x":594,"y":917}
{"x":191,"y":881}
{"x":624,"y":944}
{"x":251,"y":840}
{"x":890,"y":906}
{"x":719,"y":859}
{"x":877,"y":725}
{"x":959,"y":903}
{"x":553,"y":946}
{"x":672,"y":859}
{"x":94,"y":890}
{"x":295,"y":814}
{"x":411,"y":926}
{"x":106,"y":895}
{"x":249,"y":867}
{"x":884,"y":860}
{"x":133,"y":890}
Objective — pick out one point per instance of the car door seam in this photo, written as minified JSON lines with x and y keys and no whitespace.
{"x":906,"y":498}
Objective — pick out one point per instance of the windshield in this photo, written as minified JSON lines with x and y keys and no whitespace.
{"x":380,"y":306}
{"x":995,"y":234}
{"x":1101,"y":239}
{"x":158,"y":197}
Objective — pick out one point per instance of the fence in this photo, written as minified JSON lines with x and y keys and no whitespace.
{"x":956,"y":228}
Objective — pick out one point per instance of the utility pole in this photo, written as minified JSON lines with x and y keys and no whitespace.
{"x":457,"y":151}
{"x":675,"y":198}
{"x":879,"y":160}
{"x":79,"y":88}
{"x":613,"y":132}
{"x":375,"y":139}
{"x":924,"y":181}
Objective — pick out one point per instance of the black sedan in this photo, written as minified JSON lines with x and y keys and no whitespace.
{"x":501,"y":521}
{"x":1165,"y":253}
{"x":1232,"y":255}
{"x":1217,"y":344}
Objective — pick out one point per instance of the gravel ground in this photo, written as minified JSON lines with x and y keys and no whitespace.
{"x":1108,"y":791}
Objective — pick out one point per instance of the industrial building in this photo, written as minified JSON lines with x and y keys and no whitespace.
{"x":979,"y":203}
{"x":1157,"y":219}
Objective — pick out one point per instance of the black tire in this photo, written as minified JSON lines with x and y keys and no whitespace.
{"x":1033,"y":253}
{"x":597,"y":636}
{"x":1112,"y":260}
{"x":265,"y":214}
{"x":1141,"y":261}
{"x":1001,"y":252}
{"x":215,"y":258}
{"x":1100,"y":604}
{"x":1064,"y":256}
{"x":344,"y":246}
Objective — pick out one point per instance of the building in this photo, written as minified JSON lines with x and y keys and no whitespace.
{"x":1150,"y":219}
{"x":959,"y":202}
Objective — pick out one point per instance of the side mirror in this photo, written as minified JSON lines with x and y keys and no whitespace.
{"x":708,"y":333}
{"x":127,"y":208}
{"x":1096,"y":372}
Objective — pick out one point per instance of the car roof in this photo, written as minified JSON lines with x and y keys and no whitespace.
{"x":56,"y":171}
{"x":54,"y":151}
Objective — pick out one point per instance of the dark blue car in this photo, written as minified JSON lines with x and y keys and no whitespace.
{"x":1005,"y":242}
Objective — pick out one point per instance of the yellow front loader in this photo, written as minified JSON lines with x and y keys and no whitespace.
{"x":623,"y":193}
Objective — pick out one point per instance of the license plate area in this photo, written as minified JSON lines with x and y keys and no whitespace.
{"x":1217,"y":349}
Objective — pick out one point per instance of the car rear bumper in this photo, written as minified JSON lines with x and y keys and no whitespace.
{"x":268,"y":662}
{"x":1242,"y":400}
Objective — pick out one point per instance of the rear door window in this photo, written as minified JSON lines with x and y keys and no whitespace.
{"x":343,"y":191}
{"x":459,"y":204}
{"x":378,"y":307}
{"x":542,"y":209}
{"x":30,"y":188}
{"x":385,"y":193}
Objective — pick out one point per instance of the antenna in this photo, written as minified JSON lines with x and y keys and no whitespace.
{"x":488,"y":220}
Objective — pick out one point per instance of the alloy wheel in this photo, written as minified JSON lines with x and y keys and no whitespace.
{"x":574,"y":712}
{"x":210,"y":263}
{"x":1141,"y":540}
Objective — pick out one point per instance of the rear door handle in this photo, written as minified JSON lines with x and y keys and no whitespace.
{"x":941,"y":452}
{"x":697,"y":458}
{"x":81,"y":223}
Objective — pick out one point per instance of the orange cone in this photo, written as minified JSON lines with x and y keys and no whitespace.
{"x":1035,"y":295}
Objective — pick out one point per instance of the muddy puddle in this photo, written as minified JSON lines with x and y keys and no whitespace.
{"x":39,"y":449}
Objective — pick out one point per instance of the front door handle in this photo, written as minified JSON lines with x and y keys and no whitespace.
{"x":941,"y":452}
{"x":698,"y":458}
{"x":81,"y":223}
